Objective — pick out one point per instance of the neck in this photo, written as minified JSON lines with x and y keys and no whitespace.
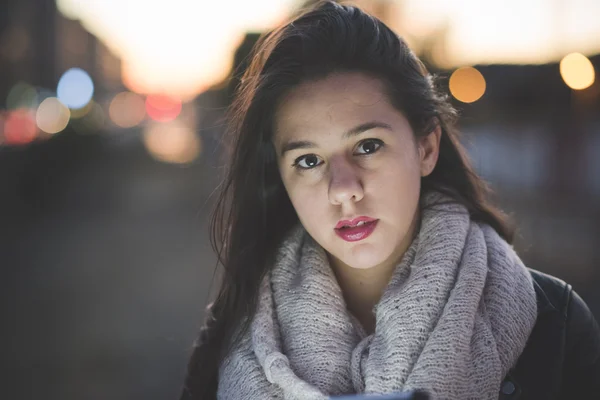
{"x":362,"y":288}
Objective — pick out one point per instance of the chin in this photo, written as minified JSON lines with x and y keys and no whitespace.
{"x":364,"y":257}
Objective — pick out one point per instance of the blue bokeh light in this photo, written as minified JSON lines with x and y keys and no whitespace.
{"x":75,"y":88}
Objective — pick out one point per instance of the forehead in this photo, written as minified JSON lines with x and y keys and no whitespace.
{"x":331,"y":105}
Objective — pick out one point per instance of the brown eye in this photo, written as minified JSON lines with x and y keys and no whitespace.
{"x":307,"y":162}
{"x":369,"y":146}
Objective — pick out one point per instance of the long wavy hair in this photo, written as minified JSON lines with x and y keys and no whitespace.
{"x":253,"y":211}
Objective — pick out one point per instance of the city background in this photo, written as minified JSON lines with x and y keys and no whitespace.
{"x":111,"y":113}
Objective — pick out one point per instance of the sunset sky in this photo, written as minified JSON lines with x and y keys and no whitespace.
{"x":183,"y":46}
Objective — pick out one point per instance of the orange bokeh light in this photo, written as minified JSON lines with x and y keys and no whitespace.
{"x":127,"y":109}
{"x":467,"y":84}
{"x":172,"y":142}
{"x":577,"y":71}
{"x":162,"y":108}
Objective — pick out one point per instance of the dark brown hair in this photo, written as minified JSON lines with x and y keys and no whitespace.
{"x":253,"y":211}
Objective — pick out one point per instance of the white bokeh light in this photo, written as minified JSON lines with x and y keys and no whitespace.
{"x":52,"y":116}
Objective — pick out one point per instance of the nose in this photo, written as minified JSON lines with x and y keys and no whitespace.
{"x":345,"y":184}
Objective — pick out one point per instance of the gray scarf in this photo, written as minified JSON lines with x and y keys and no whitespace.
{"x":453,"y":320}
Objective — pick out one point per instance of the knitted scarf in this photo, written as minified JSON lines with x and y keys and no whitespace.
{"x":452,"y":321}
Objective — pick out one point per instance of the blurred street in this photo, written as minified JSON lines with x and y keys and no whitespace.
{"x":102,"y":292}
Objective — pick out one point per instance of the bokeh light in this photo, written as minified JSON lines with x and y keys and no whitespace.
{"x":77,"y":113}
{"x":95,"y":119}
{"x":127,"y":109}
{"x":1,"y":127}
{"x":92,"y":122}
{"x":52,"y":116}
{"x":162,"y":108}
{"x":19,"y":127}
{"x":467,"y":84}
{"x":577,"y":71}
{"x":75,"y":88}
{"x":21,"y":95}
{"x":172,"y":142}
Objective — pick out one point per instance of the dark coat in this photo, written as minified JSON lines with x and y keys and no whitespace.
{"x":562,"y":357}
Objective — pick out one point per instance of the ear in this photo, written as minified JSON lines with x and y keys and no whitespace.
{"x":429,"y":149}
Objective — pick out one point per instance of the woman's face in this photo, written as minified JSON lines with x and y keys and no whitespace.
{"x":352,"y":167}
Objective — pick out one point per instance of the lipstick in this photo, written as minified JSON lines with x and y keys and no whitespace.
{"x":356,"y":229}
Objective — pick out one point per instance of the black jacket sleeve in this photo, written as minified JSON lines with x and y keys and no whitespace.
{"x":581,"y":374}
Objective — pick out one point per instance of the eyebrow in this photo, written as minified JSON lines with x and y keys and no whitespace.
{"x":357,"y":130}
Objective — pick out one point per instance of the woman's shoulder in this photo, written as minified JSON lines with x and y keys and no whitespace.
{"x":551,"y":291}
{"x":569,"y":310}
{"x":562,"y":356}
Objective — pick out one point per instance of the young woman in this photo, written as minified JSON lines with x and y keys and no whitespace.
{"x":360,"y":253}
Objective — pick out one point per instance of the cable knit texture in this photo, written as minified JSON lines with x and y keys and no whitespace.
{"x":453,"y":320}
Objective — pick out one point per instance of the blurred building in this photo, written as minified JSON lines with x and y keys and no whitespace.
{"x":538,"y":143}
{"x":38,"y":44}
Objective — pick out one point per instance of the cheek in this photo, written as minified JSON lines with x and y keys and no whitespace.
{"x":395,"y":190}
{"x":308,"y":201}
{"x":396,"y":176}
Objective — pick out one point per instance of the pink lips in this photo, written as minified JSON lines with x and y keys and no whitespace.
{"x":350,"y":231}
